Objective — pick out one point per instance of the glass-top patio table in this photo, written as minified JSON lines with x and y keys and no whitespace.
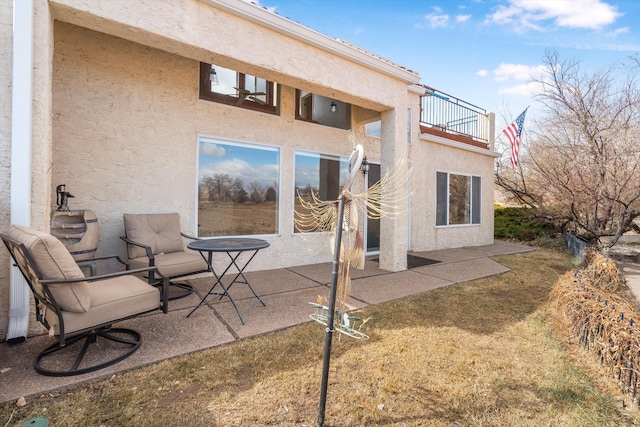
{"x":233,"y":247}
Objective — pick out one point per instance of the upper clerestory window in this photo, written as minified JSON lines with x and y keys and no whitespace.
{"x":219,"y":84}
{"x":325,"y":111}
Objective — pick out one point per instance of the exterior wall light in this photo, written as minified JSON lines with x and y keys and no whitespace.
{"x":364,"y":166}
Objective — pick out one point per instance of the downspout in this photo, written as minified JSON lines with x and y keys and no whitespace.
{"x":21,"y":140}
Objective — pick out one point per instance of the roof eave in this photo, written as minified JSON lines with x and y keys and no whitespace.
{"x":265,"y":18}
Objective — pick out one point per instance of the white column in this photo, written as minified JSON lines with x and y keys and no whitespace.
{"x":21,"y":134}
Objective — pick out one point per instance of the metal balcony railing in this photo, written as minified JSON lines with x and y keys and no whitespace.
{"x":447,"y":113}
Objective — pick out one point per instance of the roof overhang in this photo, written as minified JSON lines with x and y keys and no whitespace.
{"x":294,"y":30}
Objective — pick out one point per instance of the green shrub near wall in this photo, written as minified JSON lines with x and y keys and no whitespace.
{"x":519,"y":223}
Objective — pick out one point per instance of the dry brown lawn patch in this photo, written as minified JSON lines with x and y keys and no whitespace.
{"x":480,"y":353}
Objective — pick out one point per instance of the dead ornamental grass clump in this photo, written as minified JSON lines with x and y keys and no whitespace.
{"x":596,"y":307}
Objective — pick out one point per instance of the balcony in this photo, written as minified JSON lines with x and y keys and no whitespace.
{"x":449,"y":117}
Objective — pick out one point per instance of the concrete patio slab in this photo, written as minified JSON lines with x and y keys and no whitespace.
{"x":471,"y":252}
{"x":281,"y":311}
{"x":321,"y":273}
{"x":463,"y":271}
{"x":381,"y":288}
{"x":266,"y":282}
{"x":286,"y":293}
{"x":163,"y":337}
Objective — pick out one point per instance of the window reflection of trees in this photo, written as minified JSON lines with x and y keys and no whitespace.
{"x":459,"y":199}
{"x":232,"y":204}
{"x":222,"y":188}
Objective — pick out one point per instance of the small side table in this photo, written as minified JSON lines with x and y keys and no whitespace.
{"x":233,"y":247}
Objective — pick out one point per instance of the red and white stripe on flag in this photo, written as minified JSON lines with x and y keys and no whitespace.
{"x":513,"y":132}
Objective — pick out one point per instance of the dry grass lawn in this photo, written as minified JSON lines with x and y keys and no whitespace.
{"x":481,"y":353}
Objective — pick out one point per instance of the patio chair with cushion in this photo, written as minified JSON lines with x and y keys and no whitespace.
{"x":155,"y":240}
{"x":80,"y":310}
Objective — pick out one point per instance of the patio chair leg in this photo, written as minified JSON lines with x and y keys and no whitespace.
{"x":127,"y":342}
{"x":176,"y":290}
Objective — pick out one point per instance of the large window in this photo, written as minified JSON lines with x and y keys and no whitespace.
{"x":229,"y":87}
{"x":458,"y":199}
{"x":323,"y":174}
{"x":238,"y":188}
{"x":321,"y":110}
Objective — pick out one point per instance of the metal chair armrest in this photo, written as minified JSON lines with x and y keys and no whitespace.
{"x":101,"y":276}
{"x":145,"y":247}
{"x":187,"y":236}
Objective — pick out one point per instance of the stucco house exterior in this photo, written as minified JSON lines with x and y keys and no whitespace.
{"x":222,"y":111}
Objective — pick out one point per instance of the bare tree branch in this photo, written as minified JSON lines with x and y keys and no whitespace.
{"x":580,"y":168}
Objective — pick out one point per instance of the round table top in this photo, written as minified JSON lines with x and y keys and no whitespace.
{"x":228,"y":244}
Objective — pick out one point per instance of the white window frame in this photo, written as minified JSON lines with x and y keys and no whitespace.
{"x":251,"y":145}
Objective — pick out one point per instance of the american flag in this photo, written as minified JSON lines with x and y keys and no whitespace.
{"x":513,"y":135}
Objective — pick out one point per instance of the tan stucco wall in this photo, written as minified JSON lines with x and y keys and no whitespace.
{"x":6,"y":35}
{"x":194,"y":29}
{"x":40,"y":138}
{"x":42,"y":116}
{"x":427,"y":158}
{"x":126,"y":124}
{"x":117,"y":119}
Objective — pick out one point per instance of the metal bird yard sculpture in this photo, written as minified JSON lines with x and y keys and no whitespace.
{"x":341,"y":217}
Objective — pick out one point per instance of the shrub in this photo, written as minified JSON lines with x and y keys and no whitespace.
{"x":519,"y":223}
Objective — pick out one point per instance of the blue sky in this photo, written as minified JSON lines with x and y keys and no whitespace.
{"x":481,"y":51}
{"x":239,"y":161}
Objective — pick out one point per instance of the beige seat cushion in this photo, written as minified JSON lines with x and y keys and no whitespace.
{"x":161,"y":232}
{"x":54,"y":261}
{"x":173,"y":264}
{"x":115,"y":298}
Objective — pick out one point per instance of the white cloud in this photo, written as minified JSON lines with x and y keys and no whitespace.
{"x":482,"y":73}
{"x":435,"y":20}
{"x":462,"y":18}
{"x":504,"y":15}
{"x":240,"y":169}
{"x":518,"y":78}
{"x":524,"y":89}
{"x":615,"y":33}
{"x":534,"y":14}
{"x":214,"y":150}
{"x":517,"y":72}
